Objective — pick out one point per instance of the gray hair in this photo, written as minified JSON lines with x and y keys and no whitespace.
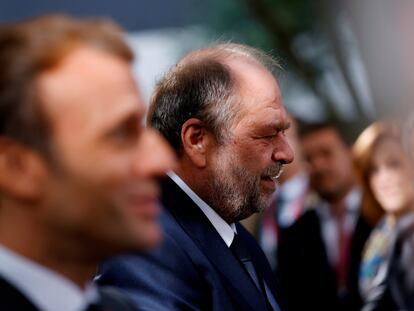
{"x":202,"y":86}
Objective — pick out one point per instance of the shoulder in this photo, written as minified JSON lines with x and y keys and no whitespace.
{"x":113,"y":299}
{"x":166,"y":278}
{"x":170,"y":259}
{"x":401,"y":272}
{"x":13,"y":299}
{"x":306,"y":224}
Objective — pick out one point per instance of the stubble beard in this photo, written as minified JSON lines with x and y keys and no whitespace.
{"x":234,"y":192}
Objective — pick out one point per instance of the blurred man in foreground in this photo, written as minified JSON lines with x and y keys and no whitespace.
{"x":221,"y":110}
{"x":77,"y":169}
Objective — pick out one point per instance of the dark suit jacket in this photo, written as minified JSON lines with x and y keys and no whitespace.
{"x":193,"y":269}
{"x":306,"y":278}
{"x":401,"y":271}
{"x":11,"y":299}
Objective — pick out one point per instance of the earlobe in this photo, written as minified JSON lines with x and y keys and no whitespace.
{"x":21,"y":171}
{"x":195,"y":141}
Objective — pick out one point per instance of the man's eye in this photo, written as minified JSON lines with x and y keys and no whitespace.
{"x":275,"y":134}
{"x":269,"y":136}
{"x":120,"y":133}
{"x":124,"y":133}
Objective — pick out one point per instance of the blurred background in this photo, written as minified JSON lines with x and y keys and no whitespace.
{"x":345,"y":61}
{"x":348,"y":62}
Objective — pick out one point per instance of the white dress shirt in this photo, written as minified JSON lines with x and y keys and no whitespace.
{"x":44,"y":288}
{"x":225,"y":230}
{"x":329,"y":226}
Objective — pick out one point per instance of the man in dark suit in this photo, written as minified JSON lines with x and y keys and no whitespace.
{"x":221,"y":110}
{"x":77,"y":169}
{"x":319,"y":255}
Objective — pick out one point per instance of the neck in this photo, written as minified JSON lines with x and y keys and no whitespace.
{"x":20,"y":233}
{"x":192,"y":176}
{"x":77,"y":271}
{"x":402,"y":212}
{"x":338,"y":197}
{"x":337,"y":205}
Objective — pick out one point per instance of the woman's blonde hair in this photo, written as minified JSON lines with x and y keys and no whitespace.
{"x":362,"y":153}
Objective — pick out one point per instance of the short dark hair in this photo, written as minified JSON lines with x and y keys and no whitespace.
{"x":306,"y":128}
{"x":202,"y":86}
{"x":31,"y":47}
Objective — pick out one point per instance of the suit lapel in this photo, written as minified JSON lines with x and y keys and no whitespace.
{"x":199,"y":228}
{"x":112,"y":298}
{"x":359,"y":237}
{"x":12,"y":299}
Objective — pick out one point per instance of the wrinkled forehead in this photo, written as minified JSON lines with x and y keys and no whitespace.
{"x":255,"y":86}
{"x":247,"y":70}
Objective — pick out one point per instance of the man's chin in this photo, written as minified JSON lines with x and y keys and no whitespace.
{"x":249,"y":211}
{"x":264,"y":201}
{"x":328,"y":194}
{"x":147,"y":237}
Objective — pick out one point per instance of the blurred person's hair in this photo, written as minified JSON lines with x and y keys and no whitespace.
{"x":203,"y":86}
{"x":306,"y":128}
{"x":362,"y":153}
{"x":30,"y":48}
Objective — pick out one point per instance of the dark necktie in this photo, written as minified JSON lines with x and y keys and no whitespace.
{"x":94,"y":307}
{"x":243,"y":255}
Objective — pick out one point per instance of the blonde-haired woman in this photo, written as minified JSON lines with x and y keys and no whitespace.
{"x":387,"y":178}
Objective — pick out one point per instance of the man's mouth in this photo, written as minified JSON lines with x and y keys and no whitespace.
{"x":274,"y":173}
{"x":271,"y":176}
{"x":143,"y":199}
{"x":268,"y":182}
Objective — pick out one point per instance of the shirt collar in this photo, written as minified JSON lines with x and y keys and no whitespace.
{"x":46,"y":289}
{"x":352,"y":203}
{"x":353,"y":200}
{"x":225,"y":230}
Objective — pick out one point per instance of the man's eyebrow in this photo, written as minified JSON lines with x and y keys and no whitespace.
{"x":282,"y":126}
{"x":276,"y":126}
{"x":127,"y":116}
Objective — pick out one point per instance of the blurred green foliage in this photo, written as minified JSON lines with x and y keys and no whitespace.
{"x":277,"y":26}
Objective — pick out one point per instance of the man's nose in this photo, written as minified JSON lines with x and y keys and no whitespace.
{"x":156,"y":157}
{"x":283,"y":152}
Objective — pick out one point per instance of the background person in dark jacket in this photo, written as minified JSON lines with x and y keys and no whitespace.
{"x":319,"y":255}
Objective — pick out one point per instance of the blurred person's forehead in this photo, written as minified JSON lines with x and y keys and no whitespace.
{"x":91,"y":86}
{"x":326,"y":135}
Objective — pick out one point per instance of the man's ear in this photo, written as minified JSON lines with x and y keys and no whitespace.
{"x":21,"y":171}
{"x":196,"y":140}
